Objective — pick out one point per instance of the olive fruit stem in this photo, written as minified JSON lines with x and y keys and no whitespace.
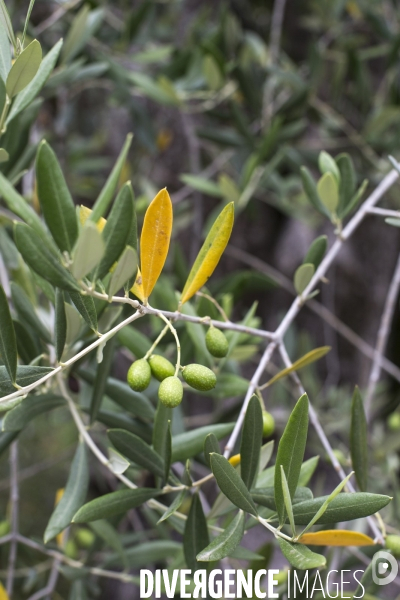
{"x":178,"y":344}
{"x":157,"y":341}
{"x":216,"y":304}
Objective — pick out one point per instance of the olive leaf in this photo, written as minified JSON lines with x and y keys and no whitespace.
{"x":211,"y":444}
{"x":336,"y":537}
{"x":24,"y":69}
{"x":22,"y":415}
{"x":155,"y":239}
{"x":251,"y":441}
{"x":100,"y":381}
{"x":74,"y":494}
{"x":188,"y":444}
{"x":291,"y":452}
{"x":26,"y":312}
{"x":136,"y":450}
{"x":231,"y":484}
{"x":210,"y":253}
{"x":226,"y":542}
{"x":358,"y":440}
{"x":114,"y":503}
{"x":195,"y":536}
{"x":303,"y":276}
{"x":8,"y":342}
{"x":316,"y":251}
{"x":104,"y":199}
{"x":55,"y":199}
{"x":300,"y":556}
{"x":302,"y":362}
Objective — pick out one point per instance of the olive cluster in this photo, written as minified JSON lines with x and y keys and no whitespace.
{"x":196,"y":376}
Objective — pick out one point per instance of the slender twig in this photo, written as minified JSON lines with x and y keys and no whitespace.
{"x":324,"y":440}
{"x":296,"y":306}
{"x":14,"y":502}
{"x":384,"y":212}
{"x":51,"y":584}
{"x":383,"y":334}
{"x":55,"y":16}
{"x":316,"y":307}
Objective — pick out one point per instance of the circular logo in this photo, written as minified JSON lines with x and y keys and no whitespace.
{"x":384,"y":568}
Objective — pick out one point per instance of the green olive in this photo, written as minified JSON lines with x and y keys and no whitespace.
{"x":268,"y":423}
{"x":393,"y":543}
{"x":216,"y":342}
{"x":170,"y":391}
{"x":139,"y":375}
{"x":161,"y":367}
{"x":199,"y":377}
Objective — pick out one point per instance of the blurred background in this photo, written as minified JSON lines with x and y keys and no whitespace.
{"x":227,"y":100}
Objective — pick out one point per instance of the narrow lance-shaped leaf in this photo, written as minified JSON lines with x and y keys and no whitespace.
{"x":136,"y":450}
{"x":112,"y":504}
{"x":24,"y":69}
{"x":316,"y":251}
{"x":345,"y":507}
{"x":88,"y":252}
{"x":26,"y":312}
{"x":124,"y":272}
{"x":117,"y":229}
{"x":303,"y":276}
{"x":287,"y":500}
{"x":336,"y":537}
{"x":155,"y":239}
{"x":55,"y":199}
{"x":41,"y":259}
{"x":358,"y":440}
{"x":74,"y":494}
{"x":210,"y":253}
{"x":211,"y":444}
{"x":231,"y":484}
{"x":226,"y":542}
{"x":162,"y":440}
{"x":103,"y":370}
{"x":29,"y":93}
{"x":106,"y":194}
{"x":302,"y":362}
{"x":86,"y":307}
{"x":195,"y":536}
{"x":291,"y":452}
{"x":356,"y":198}
{"x":251,"y":442}
{"x":327,"y":164}
{"x":33,"y":406}
{"x":328,"y":192}
{"x":311,"y":191}
{"x":5,"y":51}
{"x":300,"y":556}
{"x":26,"y":374}
{"x":348,"y":181}
{"x":18,"y":205}
{"x":176,"y":503}
{"x":325,"y":505}
{"x":8,"y":342}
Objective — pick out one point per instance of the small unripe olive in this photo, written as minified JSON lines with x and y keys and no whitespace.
{"x":268,"y":423}
{"x":199,"y":377}
{"x":394,"y":421}
{"x":216,"y":342}
{"x":393,"y":544}
{"x":139,"y":375}
{"x":170,"y":391}
{"x":160,"y":367}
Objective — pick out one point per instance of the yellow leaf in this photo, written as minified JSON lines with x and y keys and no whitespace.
{"x":137,"y":288}
{"x":84,"y":213}
{"x":210,"y":253}
{"x":154,"y":241}
{"x":336,"y":537}
{"x":235,"y":460}
{"x":3,"y":593}
{"x":305,"y":360}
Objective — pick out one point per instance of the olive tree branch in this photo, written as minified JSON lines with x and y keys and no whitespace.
{"x":382,"y":338}
{"x":297,"y":304}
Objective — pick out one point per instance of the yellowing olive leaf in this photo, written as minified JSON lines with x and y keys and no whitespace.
{"x":84,"y":214}
{"x":305,"y":360}
{"x":210,"y":253}
{"x":3,"y":593}
{"x":137,"y":288}
{"x":24,"y":69}
{"x":336,"y":537}
{"x":154,"y":241}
